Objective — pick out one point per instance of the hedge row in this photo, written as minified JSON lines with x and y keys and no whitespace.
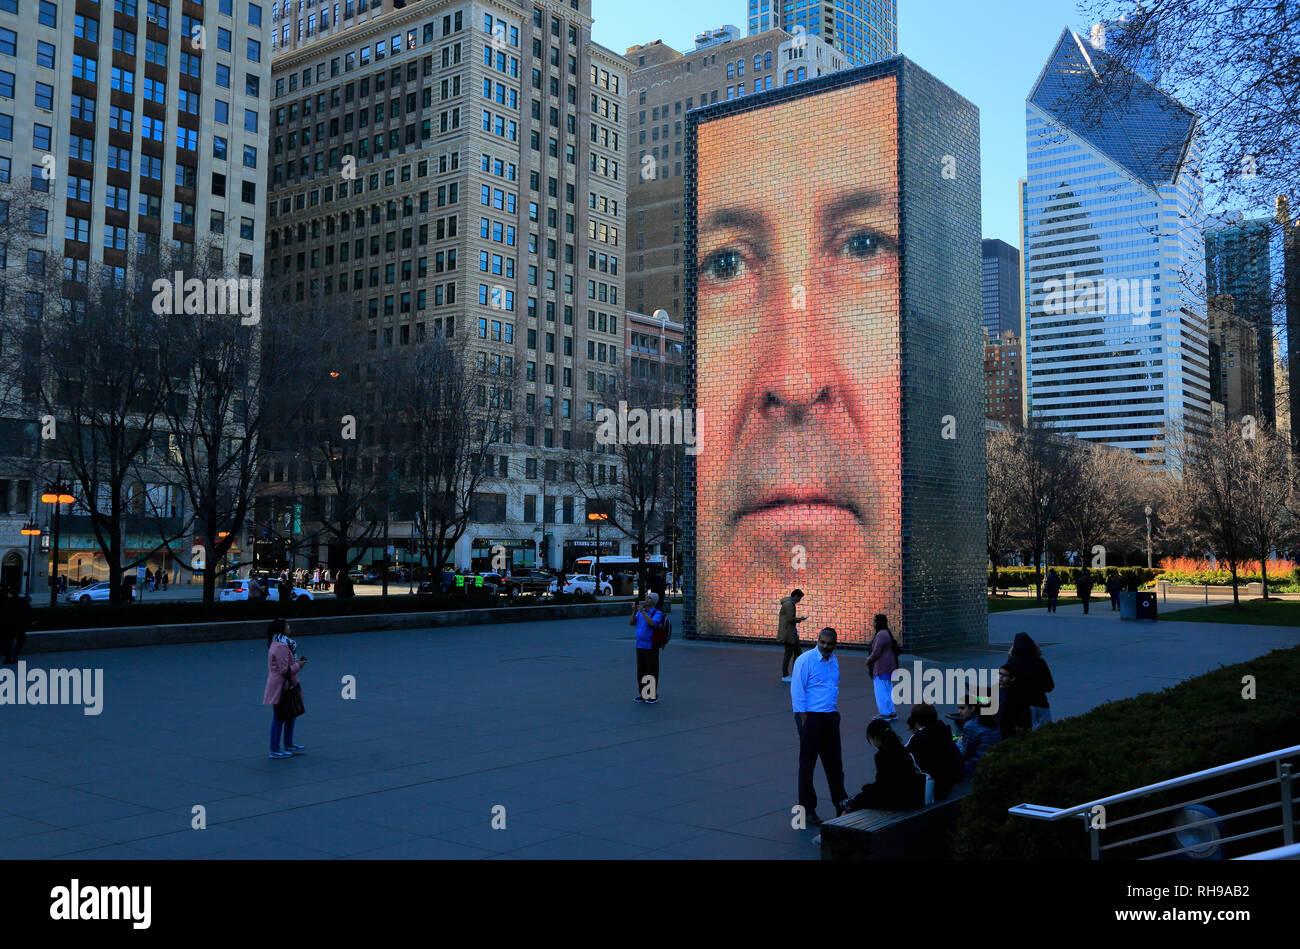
{"x":106,"y":615}
{"x":1224,"y":578}
{"x":1009,"y":577}
{"x":1130,"y":743}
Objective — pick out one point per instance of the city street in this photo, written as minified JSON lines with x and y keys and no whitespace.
{"x":449,"y":724}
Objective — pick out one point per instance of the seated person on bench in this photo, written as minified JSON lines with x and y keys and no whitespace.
{"x":899,"y":786}
{"x":979,"y":731}
{"x":934,"y":749}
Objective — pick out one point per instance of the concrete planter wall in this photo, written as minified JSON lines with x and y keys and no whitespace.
{"x":40,"y":641}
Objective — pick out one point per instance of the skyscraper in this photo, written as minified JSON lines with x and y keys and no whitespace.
{"x":1001,"y":287}
{"x":864,"y":30}
{"x":1117,"y":346}
{"x":1238,"y":267}
{"x":449,"y":170}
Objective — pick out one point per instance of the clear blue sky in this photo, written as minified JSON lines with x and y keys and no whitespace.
{"x":991,"y":53}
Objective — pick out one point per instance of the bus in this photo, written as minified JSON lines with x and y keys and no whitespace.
{"x":616,"y":567}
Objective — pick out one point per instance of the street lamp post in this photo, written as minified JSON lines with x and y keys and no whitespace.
{"x":1148,"y":513}
{"x":30,"y":530}
{"x":58,"y":495}
{"x":599,"y":519}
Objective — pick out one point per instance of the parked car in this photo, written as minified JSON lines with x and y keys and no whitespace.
{"x":586,"y":583}
{"x":526,"y":580}
{"x":234,"y":591}
{"x":95,"y":593}
{"x":492,"y":582}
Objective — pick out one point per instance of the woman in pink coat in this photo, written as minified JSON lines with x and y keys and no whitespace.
{"x":281,"y":665}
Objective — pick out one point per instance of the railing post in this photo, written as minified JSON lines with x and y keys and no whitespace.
{"x":1288,"y":819}
{"x":1094,"y":838}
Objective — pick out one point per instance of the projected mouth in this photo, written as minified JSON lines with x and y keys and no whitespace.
{"x":797,"y":508}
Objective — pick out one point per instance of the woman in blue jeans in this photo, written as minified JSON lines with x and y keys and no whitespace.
{"x":881,"y":664}
{"x":282,"y":664}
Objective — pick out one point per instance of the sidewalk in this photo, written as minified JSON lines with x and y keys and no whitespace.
{"x":447,"y":724}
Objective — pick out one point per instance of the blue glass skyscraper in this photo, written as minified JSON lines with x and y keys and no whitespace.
{"x":1238,"y":265}
{"x":863,"y":30}
{"x":1114,"y":257}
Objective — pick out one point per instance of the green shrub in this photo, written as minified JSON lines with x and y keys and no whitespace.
{"x":1127,"y":744}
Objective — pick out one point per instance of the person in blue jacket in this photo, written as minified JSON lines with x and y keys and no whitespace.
{"x":647,"y":617}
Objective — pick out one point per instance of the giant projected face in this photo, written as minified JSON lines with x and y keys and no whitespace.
{"x":797,"y":364}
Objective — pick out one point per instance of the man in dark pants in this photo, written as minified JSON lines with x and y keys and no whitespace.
{"x":1084,"y":587}
{"x":1113,"y":585}
{"x":787,"y":631}
{"x":646,"y":618}
{"x":15,"y":617}
{"x":814,"y":694}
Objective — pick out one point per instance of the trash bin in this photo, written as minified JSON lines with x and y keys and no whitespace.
{"x":1128,"y":604}
{"x":1146,"y":605}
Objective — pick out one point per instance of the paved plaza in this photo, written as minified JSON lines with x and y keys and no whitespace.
{"x":449,"y":724}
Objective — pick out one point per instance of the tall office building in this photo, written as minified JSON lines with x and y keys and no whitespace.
{"x":1238,"y":268}
{"x":1003,"y":356}
{"x":1001,"y":287}
{"x":485,"y":202}
{"x":1114,"y":258}
{"x":666,"y":84}
{"x":129,"y":132}
{"x":1289,"y":225}
{"x":864,"y":30}
{"x":1234,"y":363}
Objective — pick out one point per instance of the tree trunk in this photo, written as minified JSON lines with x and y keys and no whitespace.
{"x":1263,"y":575}
{"x":1236,"y":601}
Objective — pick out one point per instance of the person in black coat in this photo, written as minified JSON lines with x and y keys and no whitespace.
{"x":1051,"y":589}
{"x":933,"y":748}
{"x":1025,"y":660}
{"x":1083,"y":586}
{"x":1013,"y":702}
{"x":899,"y":786}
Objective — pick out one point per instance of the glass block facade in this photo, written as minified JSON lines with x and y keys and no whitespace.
{"x":832,"y":356}
{"x":1114,"y":263}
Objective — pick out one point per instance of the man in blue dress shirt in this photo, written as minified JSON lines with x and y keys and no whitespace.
{"x":814,"y":694}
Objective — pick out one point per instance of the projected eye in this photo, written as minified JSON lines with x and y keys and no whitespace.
{"x":863,"y":244}
{"x":725,"y":264}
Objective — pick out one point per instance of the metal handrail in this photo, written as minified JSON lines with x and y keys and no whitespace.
{"x":1277,"y":853}
{"x":1043,"y":812}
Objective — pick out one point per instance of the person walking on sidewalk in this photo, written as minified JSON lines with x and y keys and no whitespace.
{"x":787,"y":631}
{"x":646,"y":618}
{"x":283,"y":667}
{"x":881,"y":665}
{"x":814,"y":695}
{"x":1113,"y":586}
{"x":1026,"y":662}
{"x":1051,"y":590}
{"x":15,"y":618}
{"x":1084,"y":587}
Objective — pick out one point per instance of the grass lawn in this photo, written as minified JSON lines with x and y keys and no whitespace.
{"x":1002,"y":604}
{"x":1255,"y":612}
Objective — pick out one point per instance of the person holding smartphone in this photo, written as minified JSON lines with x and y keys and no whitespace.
{"x":282,"y":665}
{"x":646,"y":618}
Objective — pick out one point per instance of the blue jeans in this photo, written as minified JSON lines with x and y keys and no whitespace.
{"x":278,"y":723}
{"x":884,"y":694}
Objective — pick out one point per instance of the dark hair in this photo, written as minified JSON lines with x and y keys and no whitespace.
{"x":881,"y":729}
{"x":923,"y":715}
{"x":831,"y":630}
{"x":882,"y":621}
{"x":274,"y":628}
{"x":797,"y":594}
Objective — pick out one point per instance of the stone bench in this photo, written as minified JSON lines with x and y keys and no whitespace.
{"x":920,"y":834}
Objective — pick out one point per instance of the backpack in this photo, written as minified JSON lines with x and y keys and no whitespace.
{"x":663,"y":632}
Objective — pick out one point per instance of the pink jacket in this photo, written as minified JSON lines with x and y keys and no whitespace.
{"x":279,"y":660}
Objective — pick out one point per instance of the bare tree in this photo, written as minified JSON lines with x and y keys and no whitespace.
{"x":1266,"y":515}
{"x":1047,"y":463}
{"x":461,"y":409}
{"x":1003,"y":460}
{"x":103,"y":381}
{"x":1097,"y":508}
{"x":1213,"y":492}
{"x":643,"y":442}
